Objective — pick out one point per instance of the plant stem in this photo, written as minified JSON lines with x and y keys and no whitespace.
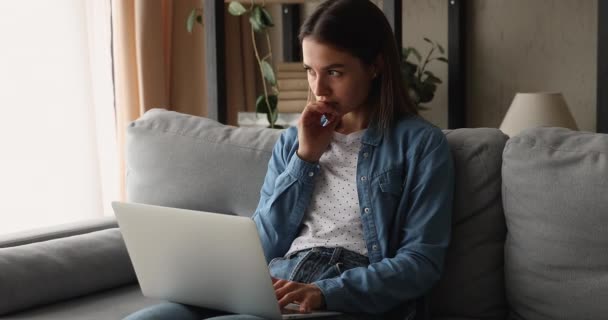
{"x":426,"y":61}
{"x":269,"y":55}
{"x":257,"y":56}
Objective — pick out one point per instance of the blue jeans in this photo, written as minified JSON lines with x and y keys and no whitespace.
{"x":303,"y":266}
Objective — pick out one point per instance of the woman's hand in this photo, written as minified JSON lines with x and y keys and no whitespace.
{"x":309,"y":296}
{"x":313,"y":137}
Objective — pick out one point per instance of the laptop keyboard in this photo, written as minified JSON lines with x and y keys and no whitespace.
{"x":292,"y":309}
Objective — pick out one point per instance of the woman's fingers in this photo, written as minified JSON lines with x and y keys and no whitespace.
{"x":302,"y":296}
{"x":316,"y":119}
{"x":308,"y":296}
{"x":313,"y":136}
{"x":291,"y":297}
{"x":329,"y":119}
{"x":320,"y":108}
{"x":286,"y":288}
{"x":305,"y":306}
{"x":278,"y":283}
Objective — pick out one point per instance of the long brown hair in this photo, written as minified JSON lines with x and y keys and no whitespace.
{"x":360,"y":28}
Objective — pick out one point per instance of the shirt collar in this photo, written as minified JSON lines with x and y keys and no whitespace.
{"x":373,"y":136}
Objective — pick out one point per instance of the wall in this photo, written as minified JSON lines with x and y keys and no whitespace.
{"x":276,"y":33}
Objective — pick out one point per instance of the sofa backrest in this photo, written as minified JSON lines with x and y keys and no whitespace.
{"x":183,"y":161}
{"x":555,"y":195}
{"x":472,"y":284}
{"x":195,"y":163}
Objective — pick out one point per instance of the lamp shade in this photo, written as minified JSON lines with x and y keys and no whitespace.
{"x":538,"y":109}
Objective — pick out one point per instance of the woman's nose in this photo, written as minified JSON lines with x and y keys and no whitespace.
{"x":320,"y":87}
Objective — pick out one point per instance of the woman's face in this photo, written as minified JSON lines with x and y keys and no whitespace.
{"x":337,"y":77}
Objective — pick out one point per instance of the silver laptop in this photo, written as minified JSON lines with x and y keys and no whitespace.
{"x":200,"y":258}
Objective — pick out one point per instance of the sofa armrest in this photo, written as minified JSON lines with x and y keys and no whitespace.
{"x":62,"y":268}
{"x":55,"y":232}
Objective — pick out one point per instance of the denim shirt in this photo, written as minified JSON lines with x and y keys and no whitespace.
{"x":405,"y":187}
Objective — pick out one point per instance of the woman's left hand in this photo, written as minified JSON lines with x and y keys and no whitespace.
{"x":309,"y":296}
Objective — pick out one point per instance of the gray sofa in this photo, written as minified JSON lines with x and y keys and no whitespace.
{"x":530,"y":226}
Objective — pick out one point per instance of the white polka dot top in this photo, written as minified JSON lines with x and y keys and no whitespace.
{"x":333,"y":218}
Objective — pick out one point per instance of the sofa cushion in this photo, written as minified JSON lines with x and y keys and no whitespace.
{"x":555,"y":194}
{"x":54,"y":270}
{"x":189,"y":162}
{"x":106,"y":305}
{"x":472,"y":284}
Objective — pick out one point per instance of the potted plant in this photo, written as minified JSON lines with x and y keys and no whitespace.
{"x":260,"y":21}
{"x":421,"y":82}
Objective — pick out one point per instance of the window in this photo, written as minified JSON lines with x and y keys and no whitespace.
{"x":58,"y":162}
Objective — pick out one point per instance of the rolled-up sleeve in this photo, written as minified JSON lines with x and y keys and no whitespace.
{"x":285,"y":194}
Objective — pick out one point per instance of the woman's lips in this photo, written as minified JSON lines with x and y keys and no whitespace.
{"x":329,"y":102}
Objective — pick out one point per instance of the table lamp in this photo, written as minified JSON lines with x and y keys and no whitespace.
{"x":537,"y":109}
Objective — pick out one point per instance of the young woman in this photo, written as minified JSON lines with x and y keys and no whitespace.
{"x":354,"y":214}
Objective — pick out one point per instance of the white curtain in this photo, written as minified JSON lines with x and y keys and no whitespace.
{"x":58,"y":159}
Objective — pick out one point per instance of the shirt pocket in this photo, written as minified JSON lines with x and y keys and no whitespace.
{"x":391,"y":181}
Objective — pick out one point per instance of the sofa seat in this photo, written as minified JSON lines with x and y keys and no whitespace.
{"x":110,"y":304}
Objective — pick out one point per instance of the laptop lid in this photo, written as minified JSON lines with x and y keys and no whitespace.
{"x":198,"y":258}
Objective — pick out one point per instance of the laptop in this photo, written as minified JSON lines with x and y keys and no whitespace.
{"x":202,"y":259}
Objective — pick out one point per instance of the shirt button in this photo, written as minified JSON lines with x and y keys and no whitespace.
{"x":366,"y":210}
{"x":310,"y":174}
{"x":365,"y":155}
{"x":374,"y":247}
{"x":364,"y":178}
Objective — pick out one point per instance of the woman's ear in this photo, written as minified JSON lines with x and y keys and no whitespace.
{"x":377,"y":67}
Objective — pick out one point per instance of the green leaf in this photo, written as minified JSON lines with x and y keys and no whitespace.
{"x":414,"y":96}
{"x":190,"y":20}
{"x":426,"y":92}
{"x":260,"y":104}
{"x":431,"y":78}
{"x":408,"y":72}
{"x":409,"y":69}
{"x":256,"y":19}
{"x":268,"y":72}
{"x":266,"y":18}
{"x":255,"y":24}
{"x":236,"y":8}
{"x":272,"y":118}
{"x":416,"y":54}
{"x":442,"y":59}
{"x":262,"y":107}
{"x":272,"y":114}
{"x":440,"y":49}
